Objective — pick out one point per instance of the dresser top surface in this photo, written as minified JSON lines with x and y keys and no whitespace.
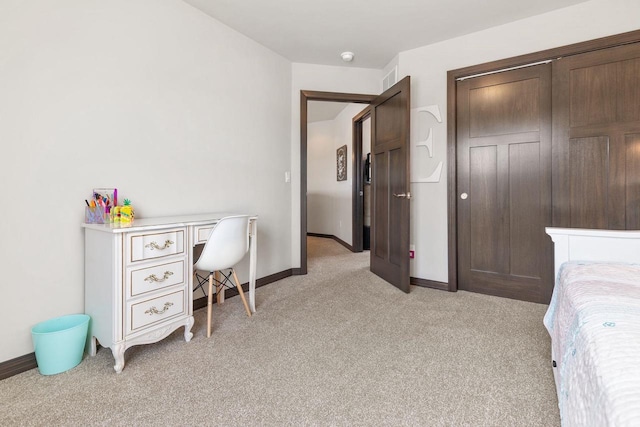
{"x":141,"y":224}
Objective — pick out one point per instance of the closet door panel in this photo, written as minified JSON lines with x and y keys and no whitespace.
{"x":596,"y":120}
{"x":593,"y":98}
{"x":632,"y":143}
{"x":629,"y":101}
{"x":516,"y":112}
{"x":487,"y":234}
{"x":588,"y":196}
{"x":526,"y":198}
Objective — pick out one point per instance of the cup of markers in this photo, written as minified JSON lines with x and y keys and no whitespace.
{"x":94,"y":213}
{"x":98,"y":211}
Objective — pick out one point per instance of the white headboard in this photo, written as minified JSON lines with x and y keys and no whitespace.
{"x":579,"y":244}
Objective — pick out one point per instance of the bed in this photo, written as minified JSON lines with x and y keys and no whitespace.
{"x":594,"y":323}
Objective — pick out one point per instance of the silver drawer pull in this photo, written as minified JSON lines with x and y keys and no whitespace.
{"x":153,"y":310}
{"x":154,"y":245}
{"x":154,"y":278}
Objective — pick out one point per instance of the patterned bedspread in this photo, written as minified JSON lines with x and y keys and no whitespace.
{"x":594,"y":323}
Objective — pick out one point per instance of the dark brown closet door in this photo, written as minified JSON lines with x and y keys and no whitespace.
{"x":596,"y":139}
{"x":504,"y":184}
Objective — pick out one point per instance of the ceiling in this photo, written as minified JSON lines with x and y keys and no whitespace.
{"x":317,"y":31}
{"x":318,"y":111}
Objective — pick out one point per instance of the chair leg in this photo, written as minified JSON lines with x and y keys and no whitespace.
{"x":209,"y":303}
{"x":219,"y":289}
{"x":241,"y":292}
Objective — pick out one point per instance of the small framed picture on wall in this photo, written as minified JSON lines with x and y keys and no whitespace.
{"x":341,"y":163}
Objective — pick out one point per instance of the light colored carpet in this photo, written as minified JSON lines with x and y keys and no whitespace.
{"x":336,"y":347}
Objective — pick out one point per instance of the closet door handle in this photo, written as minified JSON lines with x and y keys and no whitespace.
{"x":464,"y":196}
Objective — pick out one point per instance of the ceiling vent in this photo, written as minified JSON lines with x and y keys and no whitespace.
{"x":390,"y":79}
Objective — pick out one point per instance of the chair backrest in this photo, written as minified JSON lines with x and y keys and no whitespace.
{"x":227,"y":244}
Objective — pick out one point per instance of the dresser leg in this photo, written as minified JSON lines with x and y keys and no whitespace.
{"x":118,"y":355}
{"x":187,"y":329}
{"x":93,"y":346}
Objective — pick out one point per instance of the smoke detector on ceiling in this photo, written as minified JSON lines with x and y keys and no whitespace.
{"x":347,"y":56}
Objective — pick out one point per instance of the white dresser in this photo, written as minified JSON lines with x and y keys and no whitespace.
{"x":138,"y":279}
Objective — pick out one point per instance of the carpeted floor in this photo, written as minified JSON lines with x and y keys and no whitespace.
{"x":338,"y":346}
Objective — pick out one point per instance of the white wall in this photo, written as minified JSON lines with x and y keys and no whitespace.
{"x":428,"y":68}
{"x":319,"y":78}
{"x":152,"y":97}
{"x":366,"y":149}
{"x":329,"y":201}
{"x":320,"y":177}
{"x":343,"y":131}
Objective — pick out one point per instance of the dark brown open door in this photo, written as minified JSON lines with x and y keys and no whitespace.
{"x":504,"y":184}
{"x":390,"y":181}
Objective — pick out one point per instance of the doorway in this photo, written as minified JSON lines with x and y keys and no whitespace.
{"x":338,"y":134}
{"x":356,"y":164}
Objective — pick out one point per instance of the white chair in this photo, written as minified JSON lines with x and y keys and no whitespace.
{"x":227,"y":244}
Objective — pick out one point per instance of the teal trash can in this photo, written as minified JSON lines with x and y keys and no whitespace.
{"x":59,"y":343}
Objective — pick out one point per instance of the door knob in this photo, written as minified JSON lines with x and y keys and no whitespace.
{"x":402,"y":195}
{"x":464,"y":196}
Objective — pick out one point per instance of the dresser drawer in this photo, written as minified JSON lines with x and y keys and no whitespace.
{"x":146,"y":312}
{"x":201,"y":233}
{"x":153,"y":245}
{"x":156,"y":277}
